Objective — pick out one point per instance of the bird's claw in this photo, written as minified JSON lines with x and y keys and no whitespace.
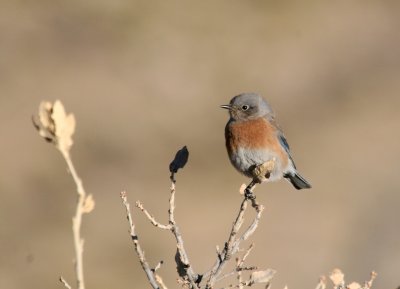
{"x":248,"y":194}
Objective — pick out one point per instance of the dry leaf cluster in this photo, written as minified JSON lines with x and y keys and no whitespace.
{"x":54,"y":125}
{"x":338,"y":282}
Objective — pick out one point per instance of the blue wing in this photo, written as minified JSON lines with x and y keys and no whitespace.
{"x":285,"y":145}
{"x":284,"y":142}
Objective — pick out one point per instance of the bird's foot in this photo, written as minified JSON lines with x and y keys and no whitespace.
{"x":249,"y":195}
{"x":248,"y":192}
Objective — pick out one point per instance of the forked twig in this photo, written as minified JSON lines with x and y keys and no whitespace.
{"x":239,"y":267}
{"x":233,"y":243}
{"x":138,"y":249}
{"x":190,"y":279}
{"x":65,"y":283}
{"x":184,"y":264}
{"x":182,"y":260}
{"x":151,"y":218}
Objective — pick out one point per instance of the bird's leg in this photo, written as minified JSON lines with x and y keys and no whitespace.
{"x":248,"y":192}
{"x":250,"y":196}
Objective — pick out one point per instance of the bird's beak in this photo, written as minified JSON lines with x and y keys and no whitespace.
{"x":226,"y":106}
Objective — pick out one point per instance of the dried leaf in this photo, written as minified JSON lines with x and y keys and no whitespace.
{"x":43,"y":122}
{"x":45,"y":108}
{"x":64,"y":126}
{"x":54,"y":125}
{"x":262,"y":276}
{"x":337,"y":277}
{"x":89,"y":204}
{"x":180,"y":160}
{"x":353,"y":285}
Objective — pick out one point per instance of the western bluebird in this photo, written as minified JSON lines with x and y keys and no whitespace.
{"x":253,"y":138}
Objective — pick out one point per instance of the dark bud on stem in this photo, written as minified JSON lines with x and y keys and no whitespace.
{"x":180,"y":160}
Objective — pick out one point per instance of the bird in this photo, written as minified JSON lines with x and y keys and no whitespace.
{"x":253,"y":138}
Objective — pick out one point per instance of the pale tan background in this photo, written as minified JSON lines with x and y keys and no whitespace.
{"x":147,"y":77}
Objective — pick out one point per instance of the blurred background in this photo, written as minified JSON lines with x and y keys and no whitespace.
{"x":144,"y":78}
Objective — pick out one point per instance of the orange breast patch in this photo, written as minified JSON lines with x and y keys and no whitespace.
{"x":254,"y":134}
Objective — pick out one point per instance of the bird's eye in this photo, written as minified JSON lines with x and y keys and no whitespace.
{"x":245,"y":107}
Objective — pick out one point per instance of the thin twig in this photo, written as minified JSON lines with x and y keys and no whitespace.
{"x":77,"y":220}
{"x":179,"y":240}
{"x":189,"y":279}
{"x":236,"y":270}
{"x":239,"y":273}
{"x":368,"y":284}
{"x":160,"y":282}
{"x":248,"y":283}
{"x":251,"y":229}
{"x":158,"y":266}
{"x":246,"y":254}
{"x":226,"y":253}
{"x":183,"y":263}
{"x":239,"y":266}
{"x":322,"y":283}
{"x":151,"y":218}
{"x":65,"y":283}
{"x":138,"y":249}
{"x":233,"y":243}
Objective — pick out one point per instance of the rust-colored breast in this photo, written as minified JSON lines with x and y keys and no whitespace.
{"x":253,"y":134}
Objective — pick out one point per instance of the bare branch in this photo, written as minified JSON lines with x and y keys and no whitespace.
{"x":256,"y":278}
{"x":151,"y":218}
{"x":160,"y":282}
{"x":252,"y":228}
{"x":188,"y":277}
{"x":246,"y":254}
{"x":65,"y":283}
{"x":77,"y":221}
{"x":158,"y":266}
{"x":227,"y":251}
{"x":368,"y":284}
{"x":321,"y":283}
{"x":138,"y":249}
{"x":233,"y":243}
{"x":57,"y":127}
{"x":182,"y":261}
{"x":239,"y":266}
{"x":239,"y":273}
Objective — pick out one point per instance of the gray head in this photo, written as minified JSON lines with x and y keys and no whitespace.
{"x":248,"y":106}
